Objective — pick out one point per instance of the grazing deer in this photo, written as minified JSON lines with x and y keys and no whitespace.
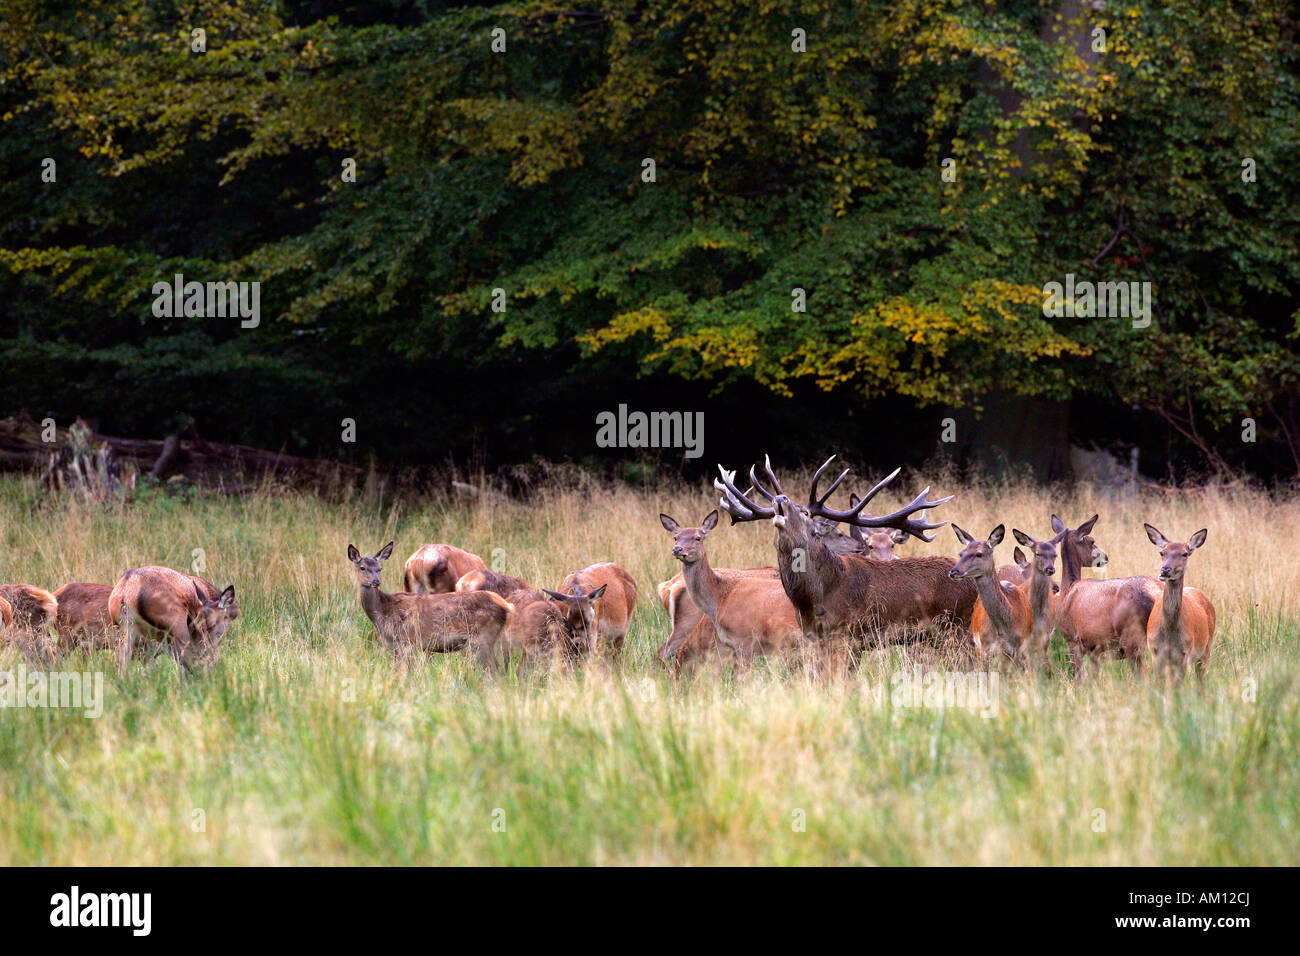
{"x":483,"y":579}
{"x":435,"y":623}
{"x":1100,"y":618}
{"x":597,"y":602}
{"x":693,"y":634}
{"x":6,"y":614}
{"x":1039,"y":590}
{"x":31,"y":612}
{"x":160,"y":601}
{"x":435,"y":568}
{"x":83,"y":618}
{"x":749,"y":614}
{"x":850,"y":596}
{"x":1001,"y":617}
{"x":1180,"y":630}
{"x":537,"y":630}
{"x":31,"y":608}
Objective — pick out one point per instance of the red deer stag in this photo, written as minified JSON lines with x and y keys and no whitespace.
{"x":597,"y":602}
{"x":749,"y":614}
{"x":435,"y":568}
{"x":850,"y":596}
{"x":83,"y":618}
{"x":1001,"y":618}
{"x":1180,"y":630}
{"x":435,"y":623}
{"x":158,"y":601}
{"x":1100,"y":618}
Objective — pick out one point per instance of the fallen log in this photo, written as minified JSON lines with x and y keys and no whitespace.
{"x":60,"y":455}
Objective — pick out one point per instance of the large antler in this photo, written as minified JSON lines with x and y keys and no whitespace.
{"x":900,"y":519}
{"x":736,"y":503}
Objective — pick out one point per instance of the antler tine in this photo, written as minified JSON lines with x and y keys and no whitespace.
{"x":759,"y":485}
{"x":737,"y":504}
{"x":776,"y":482}
{"x":815,"y":502}
{"x":900,"y":519}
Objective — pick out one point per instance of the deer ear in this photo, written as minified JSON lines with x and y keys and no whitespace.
{"x":962,"y":535}
{"x":1019,"y":557}
{"x":556,"y":595}
{"x":853,"y":500}
{"x":597,"y":593}
{"x":1060,"y":536}
{"x":226,"y":598}
{"x":710,"y":522}
{"x":386,"y":552}
{"x":1197,"y":539}
{"x":1158,"y":539}
{"x":670,"y":525}
{"x":1086,"y":527}
{"x":996,"y":536}
{"x":1023,"y":538}
{"x":353,"y":554}
{"x":1058,"y":525}
{"x":203,"y":598}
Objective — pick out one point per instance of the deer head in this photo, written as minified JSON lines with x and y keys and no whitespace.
{"x":976,"y":558}
{"x":688,"y":543}
{"x":208,"y":624}
{"x":1044,"y":552}
{"x":368,"y":568}
{"x":1080,"y":541}
{"x":579,"y":609}
{"x":1174,"y":554}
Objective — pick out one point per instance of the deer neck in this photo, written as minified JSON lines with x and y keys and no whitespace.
{"x":1071,"y":569}
{"x":1171,"y":608}
{"x":994,"y":601}
{"x":1040,"y":600}
{"x":372,"y":602}
{"x":704,"y":585}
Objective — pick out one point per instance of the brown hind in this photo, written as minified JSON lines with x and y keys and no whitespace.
{"x":1001,"y":618}
{"x":435,"y":623}
{"x":83,"y":618}
{"x":749,"y":614}
{"x":1180,"y":629}
{"x":1100,"y":618}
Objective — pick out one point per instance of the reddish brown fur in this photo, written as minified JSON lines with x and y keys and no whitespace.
{"x":83,"y":618}
{"x":1180,"y":629}
{"x":693,"y":634}
{"x":30,"y":608}
{"x":6,"y":614}
{"x":1001,"y":618}
{"x":750,"y":614}
{"x":1100,"y":618}
{"x":170,"y":603}
{"x":435,"y":568}
{"x":483,"y":579}
{"x":611,"y":612}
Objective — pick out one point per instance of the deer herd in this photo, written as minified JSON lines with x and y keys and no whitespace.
{"x":829,"y":591}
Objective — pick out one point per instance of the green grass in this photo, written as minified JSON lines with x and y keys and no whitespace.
{"x":304,"y":746}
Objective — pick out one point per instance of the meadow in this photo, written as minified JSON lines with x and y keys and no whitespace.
{"x":303,"y":745}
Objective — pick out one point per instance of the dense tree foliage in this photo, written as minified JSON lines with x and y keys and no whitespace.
{"x":794,"y":147}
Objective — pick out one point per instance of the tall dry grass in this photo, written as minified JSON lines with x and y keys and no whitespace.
{"x":304,"y":746}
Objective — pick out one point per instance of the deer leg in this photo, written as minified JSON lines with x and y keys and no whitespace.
{"x":125,"y":644}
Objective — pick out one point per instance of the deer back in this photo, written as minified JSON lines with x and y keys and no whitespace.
{"x":435,"y":568}
{"x":30,"y":606}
